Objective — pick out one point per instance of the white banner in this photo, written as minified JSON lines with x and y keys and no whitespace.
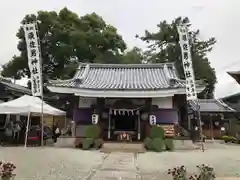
{"x":33,"y":51}
{"x":187,"y":63}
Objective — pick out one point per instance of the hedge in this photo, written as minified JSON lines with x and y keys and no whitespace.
{"x":158,"y":144}
{"x":92,"y":131}
{"x":87,"y":143}
{"x":148,"y":143}
{"x":98,"y":143}
{"x":169,"y":144}
{"x":156,"y":132}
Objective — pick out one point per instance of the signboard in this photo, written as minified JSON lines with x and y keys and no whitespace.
{"x":187,"y":62}
{"x":152,"y":120}
{"x":85,"y":102}
{"x":33,"y":52}
{"x":169,"y":130}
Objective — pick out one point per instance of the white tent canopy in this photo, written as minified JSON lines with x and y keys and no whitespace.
{"x":29,"y":104}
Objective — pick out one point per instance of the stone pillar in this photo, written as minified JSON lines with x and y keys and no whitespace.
{"x":73,"y":128}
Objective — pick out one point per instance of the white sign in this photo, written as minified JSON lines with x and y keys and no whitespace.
{"x":34,"y":64}
{"x":152,"y":120}
{"x":95,"y":118}
{"x":187,"y":63}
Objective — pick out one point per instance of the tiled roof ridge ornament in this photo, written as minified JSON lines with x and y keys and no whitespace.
{"x":165,"y":68}
{"x":78,"y":80}
{"x":172,"y":81}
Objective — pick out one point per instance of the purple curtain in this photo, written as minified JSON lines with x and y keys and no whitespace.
{"x":167,"y":116}
{"x":82,"y":114}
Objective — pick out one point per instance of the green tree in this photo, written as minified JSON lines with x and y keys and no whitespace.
{"x":67,"y":39}
{"x":163,"y":46}
{"x":133,"y":56}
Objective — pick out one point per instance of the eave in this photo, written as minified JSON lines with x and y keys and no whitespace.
{"x":235,"y":75}
{"x":121,"y":93}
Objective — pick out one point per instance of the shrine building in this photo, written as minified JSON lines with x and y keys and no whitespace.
{"x":125,"y":97}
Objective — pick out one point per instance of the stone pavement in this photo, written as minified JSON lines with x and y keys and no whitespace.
{"x":75,"y":164}
{"x":117,"y":166}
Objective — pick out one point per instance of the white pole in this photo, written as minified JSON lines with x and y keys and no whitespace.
{"x":27,"y":128}
{"x":42,"y":122}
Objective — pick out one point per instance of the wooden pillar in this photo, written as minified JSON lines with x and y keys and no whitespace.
{"x":189,"y":121}
{"x":109,"y":124}
{"x":211,"y":126}
{"x":139,"y":127}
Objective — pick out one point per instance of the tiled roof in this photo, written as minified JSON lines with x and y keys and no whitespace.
{"x":123,"y":77}
{"x":15,"y":87}
{"x":214,"y":105}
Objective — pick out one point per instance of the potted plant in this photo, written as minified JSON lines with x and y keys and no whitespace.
{"x":6,"y":170}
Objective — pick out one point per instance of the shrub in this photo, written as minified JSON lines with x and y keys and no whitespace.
{"x":87,"y":143}
{"x":156,"y":132}
{"x":169,"y":145}
{"x":158,"y":144}
{"x":228,"y":139}
{"x":180,"y":173}
{"x":6,"y":170}
{"x":92,"y":131}
{"x":98,"y":143}
{"x":205,"y":173}
{"x":148,"y":143}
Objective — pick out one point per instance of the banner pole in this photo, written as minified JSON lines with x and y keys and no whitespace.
{"x":27,"y":129}
{"x":200,"y":126}
{"x":41,"y":83}
{"x":191,"y":92}
{"x":35,"y":64}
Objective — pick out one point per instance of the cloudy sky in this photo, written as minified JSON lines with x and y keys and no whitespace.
{"x":219,"y":18}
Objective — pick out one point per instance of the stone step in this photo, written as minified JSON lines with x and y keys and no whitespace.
{"x":65,"y":142}
{"x":123,"y":147}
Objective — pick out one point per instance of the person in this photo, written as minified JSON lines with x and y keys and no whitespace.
{"x":56,"y":132}
{"x":16,"y":131}
{"x":69,"y":130}
{"x":193,"y":134}
{"x":8,"y":133}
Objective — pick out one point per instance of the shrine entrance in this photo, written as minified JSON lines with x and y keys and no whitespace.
{"x":124,"y":124}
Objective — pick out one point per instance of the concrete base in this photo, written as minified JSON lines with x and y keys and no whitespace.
{"x":65,"y":142}
{"x":185,"y":145}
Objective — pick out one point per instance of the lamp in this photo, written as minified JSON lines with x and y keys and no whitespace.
{"x":104,"y":115}
{"x":144,"y":116}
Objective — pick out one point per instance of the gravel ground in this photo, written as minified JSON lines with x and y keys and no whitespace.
{"x":74,"y":164}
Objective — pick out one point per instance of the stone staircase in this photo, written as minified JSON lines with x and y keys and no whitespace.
{"x":66,"y":142}
{"x":123,"y":147}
